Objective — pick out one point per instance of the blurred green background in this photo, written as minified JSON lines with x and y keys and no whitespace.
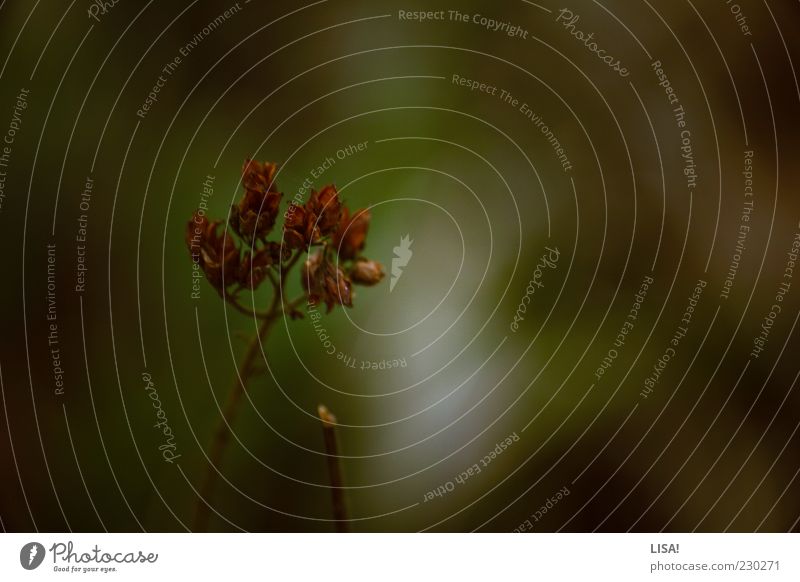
{"x":479,"y":189}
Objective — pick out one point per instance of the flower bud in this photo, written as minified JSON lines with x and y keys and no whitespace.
{"x":254,"y":217}
{"x":351,"y":236}
{"x":367,"y":272}
{"x":326,"y":207}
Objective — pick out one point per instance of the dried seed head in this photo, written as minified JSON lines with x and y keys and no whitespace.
{"x":366,"y":272}
{"x":255,"y":265}
{"x":258,"y":176}
{"x":338,"y":287}
{"x":309,"y":275}
{"x":300,"y":228}
{"x":327,"y":208}
{"x":325,"y":282}
{"x":254,"y":217}
{"x":215,"y":252}
{"x":351,"y":236}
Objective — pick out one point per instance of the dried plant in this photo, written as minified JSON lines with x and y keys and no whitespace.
{"x":242,"y":257}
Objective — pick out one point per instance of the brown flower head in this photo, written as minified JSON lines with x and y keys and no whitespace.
{"x":309,"y":275}
{"x":300,"y":228}
{"x":258,"y":176}
{"x":308,"y":224}
{"x":216,"y":252}
{"x":325,"y":282}
{"x":338,"y":287}
{"x":351,"y":236}
{"x":366,"y":272}
{"x":255,"y":265}
{"x":254,"y":217}
{"x":242,"y":257}
{"x":326,"y":208}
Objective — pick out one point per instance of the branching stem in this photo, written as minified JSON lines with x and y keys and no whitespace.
{"x":247,"y":367}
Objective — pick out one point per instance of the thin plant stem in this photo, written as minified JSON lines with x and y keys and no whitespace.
{"x":334,"y":469}
{"x":222,"y":432}
{"x":248,"y":365}
{"x":244,"y":310}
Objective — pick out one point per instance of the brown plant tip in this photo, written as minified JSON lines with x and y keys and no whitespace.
{"x":255,"y":265}
{"x":216,"y":253}
{"x":306,"y":225}
{"x":326,"y":416}
{"x":338,"y":287}
{"x":326,"y":208}
{"x":300,"y":229}
{"x":366,"y":272}
{"x":254,"y":217}
{"x":351,"y":236}
{"x":324,"y":282}
{"x":222,"y":261}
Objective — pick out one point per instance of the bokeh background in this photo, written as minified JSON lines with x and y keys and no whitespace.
{"x":481,"y":192}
